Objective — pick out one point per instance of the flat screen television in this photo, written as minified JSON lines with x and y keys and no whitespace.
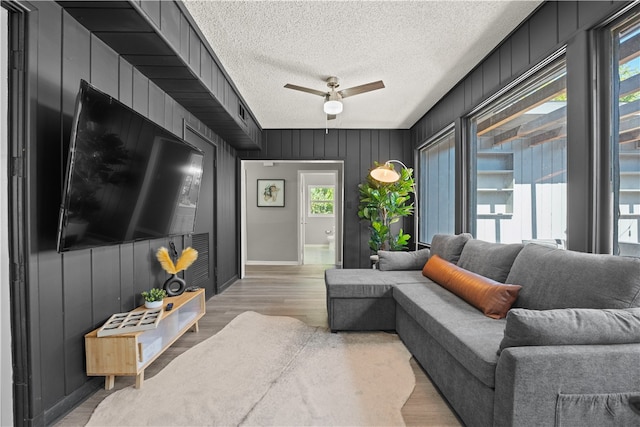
{"x":127,"y":178}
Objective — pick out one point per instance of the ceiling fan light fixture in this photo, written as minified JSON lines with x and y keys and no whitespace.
{"x":333,"y":99}
{"x":333,"y":107}
{"x":333,"y":103}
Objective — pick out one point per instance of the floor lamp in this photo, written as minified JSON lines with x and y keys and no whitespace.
{"x":387,"y":174}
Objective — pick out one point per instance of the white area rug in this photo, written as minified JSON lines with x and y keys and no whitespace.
{"x":265,"y":370}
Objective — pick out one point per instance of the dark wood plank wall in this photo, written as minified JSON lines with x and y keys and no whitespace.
{"x":552,"y":26}
{"x":172,"y":21}
{"x":72,"y":293}
{"x":228,"y":231}
{"x":358,"y":149}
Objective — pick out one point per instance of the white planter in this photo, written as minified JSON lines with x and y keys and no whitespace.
{"x":153,"y":304}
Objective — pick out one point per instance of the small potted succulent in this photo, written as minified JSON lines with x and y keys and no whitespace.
{"x":153,"y":297}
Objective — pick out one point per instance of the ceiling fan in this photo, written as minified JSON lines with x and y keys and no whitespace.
{"x":333,"y":98}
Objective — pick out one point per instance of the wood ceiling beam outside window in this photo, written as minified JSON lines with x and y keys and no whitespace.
{"x":546,"y":93}
{"x":532,"y":126}
{"x":630,"y":49}
{"x":540,"y":130}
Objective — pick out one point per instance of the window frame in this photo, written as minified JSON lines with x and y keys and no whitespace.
{"x":609,"y":194}
{"x":441,"y":136}
{"x":500,"y":100}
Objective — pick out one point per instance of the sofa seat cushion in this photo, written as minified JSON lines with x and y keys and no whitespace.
{"x":557,"y":278}
{"x":412,"y":276}
{"x":470,"y":337}
{"x":492,"y":260}
{"x":358,"y":283}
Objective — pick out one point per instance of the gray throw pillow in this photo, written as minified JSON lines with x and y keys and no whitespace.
{"x":449,"y":246}
{"x":397,"y":260}
{"x":571,"y":326}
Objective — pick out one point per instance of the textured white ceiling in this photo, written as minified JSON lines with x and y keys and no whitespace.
{"x":420,"y":49}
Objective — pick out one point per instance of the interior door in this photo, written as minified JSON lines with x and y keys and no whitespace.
{"x":203,"y":273}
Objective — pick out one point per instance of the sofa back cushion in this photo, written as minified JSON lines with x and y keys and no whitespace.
{"x":492,"y":260}
{"x":492,"y":298}
{"x":557,"y":278}
{"x":399,"y":260}
{"x":449,"y":246}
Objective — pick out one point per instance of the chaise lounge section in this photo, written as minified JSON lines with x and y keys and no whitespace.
{"x":567,"y":352}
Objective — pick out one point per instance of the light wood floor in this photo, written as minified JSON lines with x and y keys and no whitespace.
{"x":295,"y":291}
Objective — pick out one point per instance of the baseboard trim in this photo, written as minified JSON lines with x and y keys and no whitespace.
{"x":228,"y":283}
{"x":62,"y":408}
{"x":272,"y":263}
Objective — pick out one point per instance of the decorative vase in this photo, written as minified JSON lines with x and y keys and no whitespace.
{"x":174,"y":286}
{"x":153,"y":304}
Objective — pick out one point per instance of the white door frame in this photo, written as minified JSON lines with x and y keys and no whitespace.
{"x":339,"y":164}
{"x":302,"y":203}
{"x":302,"y":191}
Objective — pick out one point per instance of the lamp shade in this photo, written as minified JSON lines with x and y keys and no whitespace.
{"x":385,"y":173}
{"x":333,"y":107}
{"x":333,"y":103}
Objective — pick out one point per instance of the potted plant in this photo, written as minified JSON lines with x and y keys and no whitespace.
{"x":153,"y":297}
{"x":383,"y":204}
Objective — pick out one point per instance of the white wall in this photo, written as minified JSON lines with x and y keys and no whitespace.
{"x":6,"y":372}
{"x":271,"y":232}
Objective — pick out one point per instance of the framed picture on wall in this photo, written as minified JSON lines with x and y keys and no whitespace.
{"x":271,"y":193}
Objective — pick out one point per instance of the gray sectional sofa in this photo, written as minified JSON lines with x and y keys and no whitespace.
{"x":567,"y":353}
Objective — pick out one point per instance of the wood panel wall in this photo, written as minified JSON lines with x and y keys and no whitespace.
{"x":72,"y":293}
{"x":550,"y":27}
{"x":554,"y":25}
{"x":358,"y":149}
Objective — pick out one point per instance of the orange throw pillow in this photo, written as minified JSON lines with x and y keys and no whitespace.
{"x":493,"y":298}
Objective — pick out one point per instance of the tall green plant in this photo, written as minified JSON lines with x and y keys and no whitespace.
{"x":383,"y":204}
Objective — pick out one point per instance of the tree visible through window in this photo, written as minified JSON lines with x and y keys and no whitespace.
{"x":321,"y":200}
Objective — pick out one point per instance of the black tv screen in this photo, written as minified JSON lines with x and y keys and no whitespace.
{"x":127,"y":178}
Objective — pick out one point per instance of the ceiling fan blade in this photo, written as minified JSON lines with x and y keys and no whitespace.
{"x":305,"y":89}
{"x":331,"y":116}
{"x":361,"y":89}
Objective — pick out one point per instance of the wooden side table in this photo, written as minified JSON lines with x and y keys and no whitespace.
{"x":130,"y":354}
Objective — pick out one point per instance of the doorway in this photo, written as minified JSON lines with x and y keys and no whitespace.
{"x":317,"y":216}
{"x":271,"y":235}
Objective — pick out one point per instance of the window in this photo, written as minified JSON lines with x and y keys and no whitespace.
{"x":625,"y":141}
{"x":437,"y":187}
{"x":518,"y":178}
{"x":321,"y":200}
